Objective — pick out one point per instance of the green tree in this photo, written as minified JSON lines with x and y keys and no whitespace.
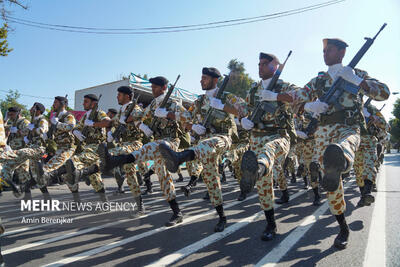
{"x":395,"y":123}
{"x":4,"y":50}
{"x":11,"y":100}
{"x":240,"y":81}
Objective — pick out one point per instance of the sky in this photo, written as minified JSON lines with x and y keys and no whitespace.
{"x":47,"y":63}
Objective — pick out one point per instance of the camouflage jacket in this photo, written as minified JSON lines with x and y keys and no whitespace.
{"x":63,"y":131}
{"x":132,"y":132}
{"x":16,"y":140}
{"x":319,"y":85}
{"x":41,"y":126}
{"x":282,"y":118}
{"x":375,"y":122}
{"x":94,"y":135}
{"x":221,"y":122}
{"x":165,"y":128}
{"x":3,"y":141}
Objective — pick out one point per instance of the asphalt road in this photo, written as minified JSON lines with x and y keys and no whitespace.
{"x":305,"y":233}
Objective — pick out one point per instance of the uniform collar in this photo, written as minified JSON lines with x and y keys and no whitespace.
{"x":333,"y":70}
{"x":159,"y":98}
{"x":38,"y":117}
{"x":124,"y":106}
{"x":265,"y":83}
{"x":212,"y":92}
{"x":62,"y":113}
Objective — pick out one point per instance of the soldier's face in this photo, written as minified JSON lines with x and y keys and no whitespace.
{"x":88,"y":104}
{"x":333,"y":55}
{"x":110,"y":115}
{"x":157,"y":90}
{"x":208,"y":82}
{"x":12,"y":115}
{"x":266,"y":69}
{"x":56,"y":105}
{"x":123,"y":98}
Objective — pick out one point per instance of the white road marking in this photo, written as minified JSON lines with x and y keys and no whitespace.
{"x":375,"y":253}
{"x":279,"y":251}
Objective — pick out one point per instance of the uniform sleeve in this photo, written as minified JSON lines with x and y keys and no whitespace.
{"x":24,"y":127}
{"x":101,"y":115}
{"x":43,"y":127}
{"x":381,"y":89}
{"x":2,"y":132}
{"x":183,"y":114}
{"x":303,"y":95}
{"x":69,"y":123}
{"x":79,"y":126}
{"x":137,"y":113}
{"x":239,"y":104}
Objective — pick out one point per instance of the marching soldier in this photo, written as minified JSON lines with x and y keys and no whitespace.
{"x":37,"y":129}
{"x":90,"y":131}
{"x":166,"y":130}
{"x":214,"y":141}
{"x":17,"y":128}
{"x":338,"y":134}
{"x":269,"y":139}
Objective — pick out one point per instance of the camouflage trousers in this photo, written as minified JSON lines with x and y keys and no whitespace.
{"x":306,"y":159}
{"x":142,"y":167}
{"x":279,"y":171}
{"x":194,"y":168}
{"x":238,"y":152}
{"x":348,"y":137}
{"x":87,"y":158}
{"x":365,"y":160}
{"x":130,"y":169}
{"x":13,"y":160}
{"x":150,"y":151}
{"x":271,"y":151}
{"x":207,"y":151}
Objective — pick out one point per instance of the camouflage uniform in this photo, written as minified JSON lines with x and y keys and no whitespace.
{"x":237,"y":151}
{"x":341,"y":127}
{"x":88,"y":156}
{"x":16,"y":141}
{"x":271,"y":144}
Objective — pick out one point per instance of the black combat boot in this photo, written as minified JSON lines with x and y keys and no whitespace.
{"x":222,"y":219}
{"x":270,"y":230}
{"x":174,"y":159}
{"x":369,"y":199}
{"x":343,"y":236}
{"x":149,"y":187}
{"x":293,"y":180}
{"x":46,"y":194}
{"x":300,"y":170}
{"x":251,"y":171}
{"x":242,"y":196}
{"x":53,"y":177}
{"x":139,"y":178}
{"x":317,"y":197}
{"x":180,"y":178}
{"x":102,"y":195}
{"x":206,"y":196}
{"x":74,"y":175}
{"x":334,"y":164}
{"x":28,"y":193}
{"x":109,"y":162}
{"x":76,"y":196}
{"x":284,"y":197}
{"x":305,"y":182}
{"x":119,"y":177}
{"x":188,"y":188}
{"x":361,"y":202}
{"x":140,"y":208}
{"x":177,"y":216}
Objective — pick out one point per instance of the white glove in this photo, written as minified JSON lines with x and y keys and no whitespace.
{"x":246,"y":124}
{"x":237,"y":121}
{"x":366,"y":113}
{"x":192,"y":139}
{"x":44,"y":136}
{"x":267,"y":95}
{"x":301,"y":134}
{"x":31,"y":126}
{"x":54,"y":120}
{"x":79,"y":135}
{"x":7,"y":148}
{"x":316,"y":107}
{"x":147,"y":131}
{"x":349,"y":75}
{"x":89,"y":122}
{"x":13,"y":129}
{"x":110,"y":138}
{"x":122,"y":119}
{"x":199,"y":129}
{"x":161,"y":112}
{"x":26,"y":140}
{"x":216,"y":103}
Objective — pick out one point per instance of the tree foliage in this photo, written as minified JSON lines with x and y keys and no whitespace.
{"x":11,"y":100}
{"x":395,"y":123}
{"x":240,"y":81}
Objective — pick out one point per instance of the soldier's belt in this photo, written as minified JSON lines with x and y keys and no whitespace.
{"x":347,"y":117}
{"x":269,"y":131}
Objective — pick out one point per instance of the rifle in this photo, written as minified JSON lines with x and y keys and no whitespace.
{"x":266,"y":106}
{"x":164,"y":103}
{"x":92,"y":117}
{"x":208,"y":118}
{"x":339,"y":86}
{"x":121,"y":129}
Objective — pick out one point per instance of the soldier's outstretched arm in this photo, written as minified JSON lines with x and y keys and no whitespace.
{"x":68,"y":125}
{"x":371,"y":87}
